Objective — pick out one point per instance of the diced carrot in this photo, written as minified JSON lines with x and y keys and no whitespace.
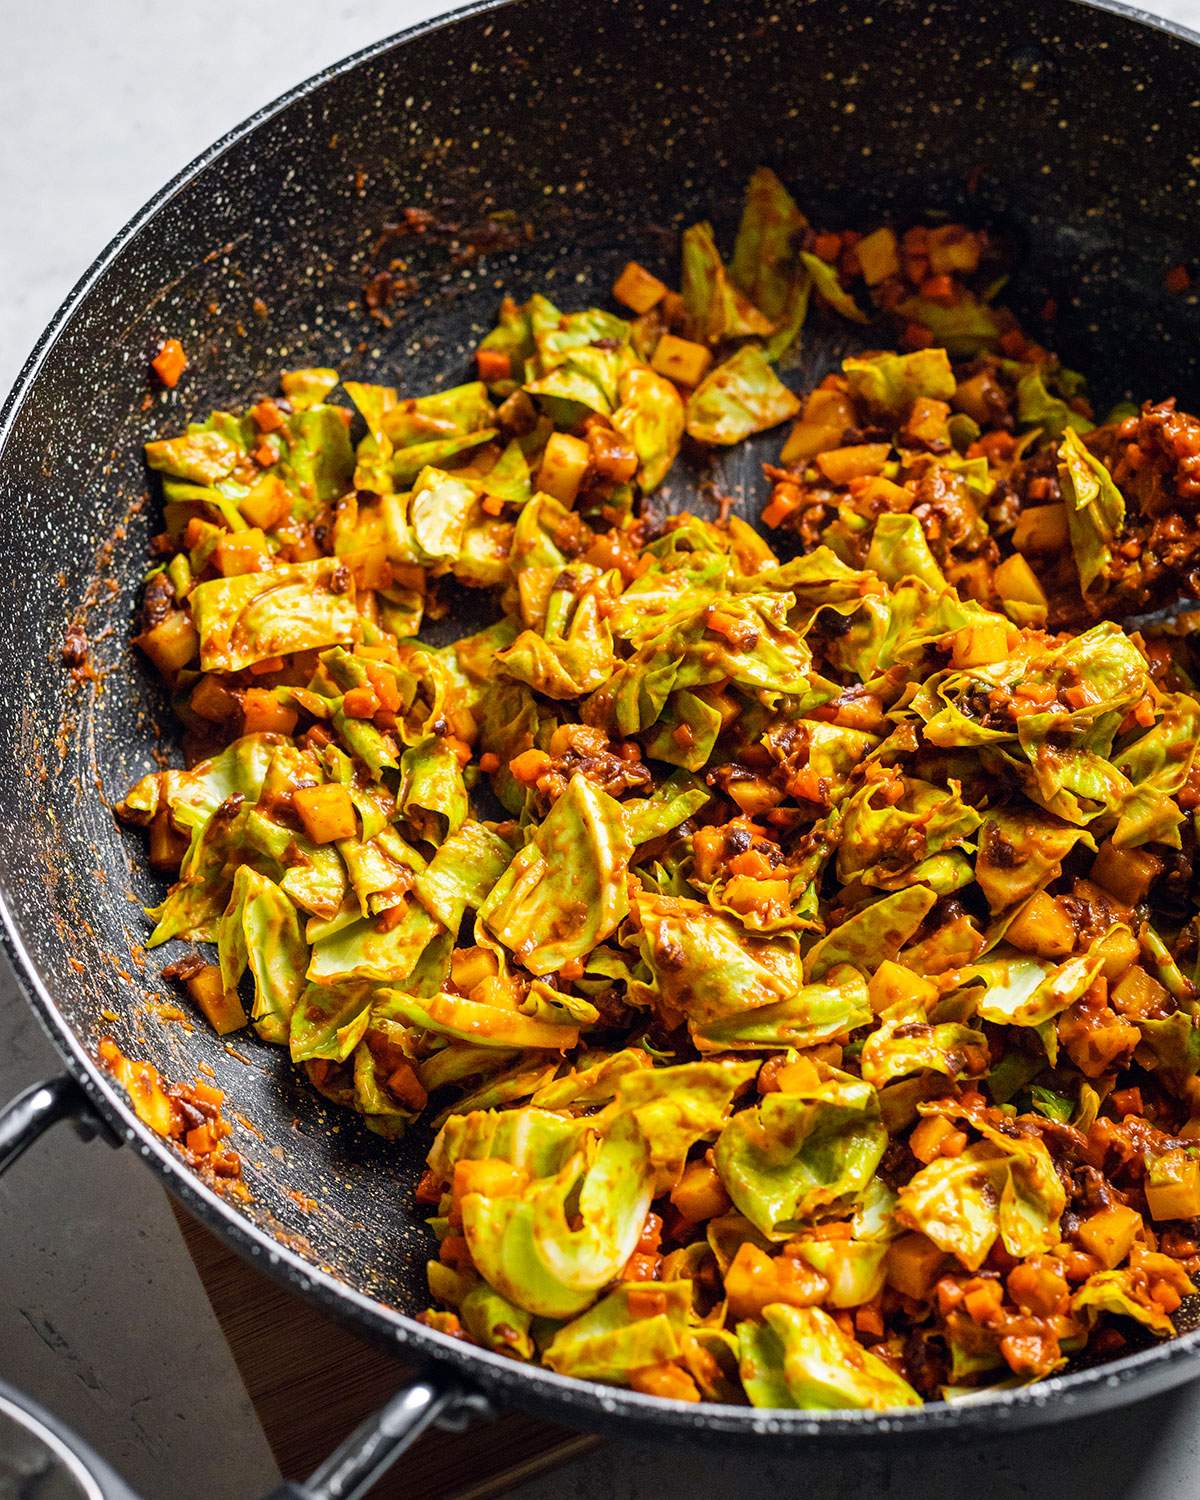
{"x":404,"y":1085}
{"x":429,"y":1188}
{"x":529,"y":765}
{"x":939,"y":289}
{"x":489,"y":762}
{"x":267,"y":416}
{"x":753,"y":863}
{"x":493,"y":364}
{"x":667,"y":1380}
{"x":169,"y":363}
{"x":462,"y":751}
{"x":916,"y":336}
{"x":360,"y":703}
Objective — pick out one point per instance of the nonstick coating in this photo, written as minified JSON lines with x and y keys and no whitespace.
{"x":602,"y":127}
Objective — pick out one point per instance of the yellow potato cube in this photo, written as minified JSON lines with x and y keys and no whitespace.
{"x":879,"y":256}
{"x":564,"y":463}
{"x":913,"y":1265}
{"x":1042,"y":529}
{"x":681,"y":360}
{"x":700,"y":1194}
{"x":638,"y":289}
{"x":1138,"y":994}
{"x":326,"y":812}
{"x":980,"y":645}
{"x":892,"y":984}
{"x":841,"y":465}
{"x":1016,"y":582}
{"x":806,"y":440}
{"x":1173,"y":1186}
{"x":1042,"y":927}
{"x":220,"y":1007}
{"x":953,"y":248}
{"x":1127,"y":873}
{"x":170,"y":644}
{"x":470,"y":966}
{"x":1119,"y":950}
{"x":268,"y":503}
{"x":241,"y":552}
{"x":1109,"y":1234}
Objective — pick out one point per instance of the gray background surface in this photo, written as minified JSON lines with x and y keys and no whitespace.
{"x":101,"y":1315}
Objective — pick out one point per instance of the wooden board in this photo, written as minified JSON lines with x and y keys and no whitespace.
{"x":312,"y":1381}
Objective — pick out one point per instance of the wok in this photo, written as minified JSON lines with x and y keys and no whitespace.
{"x":550,"y":145}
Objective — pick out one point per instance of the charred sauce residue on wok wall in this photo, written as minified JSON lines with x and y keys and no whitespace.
{"x":826,"y":1015}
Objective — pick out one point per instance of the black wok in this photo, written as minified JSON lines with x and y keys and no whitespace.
{"x":1069,"y":129}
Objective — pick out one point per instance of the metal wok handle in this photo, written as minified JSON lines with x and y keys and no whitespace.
{"x":42,"y":1105}
{"x":373,"y":1446}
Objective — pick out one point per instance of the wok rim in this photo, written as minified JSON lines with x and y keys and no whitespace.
{"x":590,"y":1403}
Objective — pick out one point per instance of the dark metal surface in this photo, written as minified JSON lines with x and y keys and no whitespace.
{"x":1069,"y":129}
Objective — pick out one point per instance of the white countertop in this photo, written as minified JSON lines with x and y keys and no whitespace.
{"x":110,"y":1329}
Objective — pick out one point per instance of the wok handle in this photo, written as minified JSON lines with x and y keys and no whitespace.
{"x":374,"y":1446}
{"x":31,"y":1114}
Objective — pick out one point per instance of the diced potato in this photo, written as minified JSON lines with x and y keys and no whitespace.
{"x":797,"y":1077}
{"x":878,"y":492}
{"x":879,"y":256}
{"x":268,"y":503}
{"x":470,"y":966}
{"x":1042,"y":528}
{"x":841,"y":465}
{"x":221,"y":1007}
{"x":753,"y":1281}
{"x":240,"y":552}
{"x":370,"y":566}
{"x":892,"y":983}
{"x":1109,"y":1234}
{"x":167,"y":844}
{"x":1119,"y":950}
{"x":681,"y":360}
{"x":1138,"y":994}
{"x":326,"y":812}
{"x":925,"y":1142}
{"x":1042,"y":926}
{"x":170,"y":644}
{"x":635,"y":287}
{"x":927,"y":422}
{"x":980,"y":645}
{"x":491,"y":1176}
{"x":979,"y":398}
{"x":564,"y":463}
{"x":755,"y":795}
{"x":212,"y":700}
{"x":1016,"y":582}
{"x":913,"y":1264}
{"x":700,"y":1194}
{"x":830,"y":406}
{"x":1173,"y":1186}
{"x":1127,"y":873}
{"x":806,"y":440}
{"x":262,"y":713}
{"x":953,"y":248}
{"x":612,"y":456}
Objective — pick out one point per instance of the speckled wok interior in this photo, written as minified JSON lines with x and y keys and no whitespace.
{"x":602,"y":128}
